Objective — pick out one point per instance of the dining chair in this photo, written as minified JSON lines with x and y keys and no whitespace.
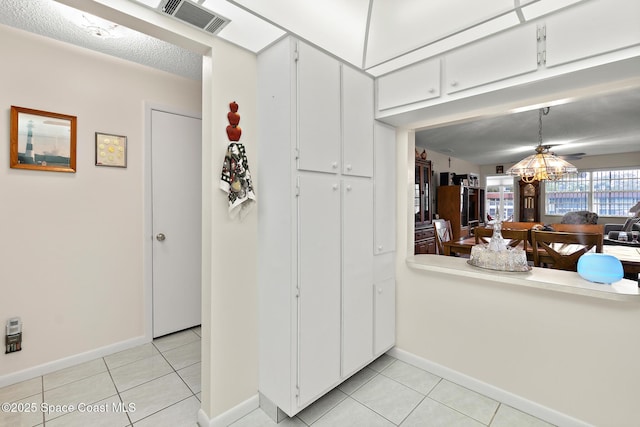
{"x":561,"y":250}
{"x":443,"y":233}
{"x":516,"y":237}
{"x":510,"y":225}
{"x":579,"y":228}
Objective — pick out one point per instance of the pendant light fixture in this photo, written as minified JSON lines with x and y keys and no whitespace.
{"x":542,"y":165}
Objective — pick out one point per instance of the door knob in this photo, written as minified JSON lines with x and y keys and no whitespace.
{"x":160,"y":237}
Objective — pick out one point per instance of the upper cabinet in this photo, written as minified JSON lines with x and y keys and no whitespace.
{"x":415,"y":83}
{"x":318,"y":110}
{"x":335,"y":115}
{"x":592,"y":29}
{"x":559,"y":52}
{"x":505,"y":55}
{"x":357,"y":123}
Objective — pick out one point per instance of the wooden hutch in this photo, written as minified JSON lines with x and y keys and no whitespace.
{"x":425,"y":236}
{"x":463,"y":206}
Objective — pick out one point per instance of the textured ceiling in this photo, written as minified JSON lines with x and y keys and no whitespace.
{"x":608,"y":124}
{"x":51,"y":19}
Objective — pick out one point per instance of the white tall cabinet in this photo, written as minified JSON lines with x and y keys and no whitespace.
{"x":319,"y":302}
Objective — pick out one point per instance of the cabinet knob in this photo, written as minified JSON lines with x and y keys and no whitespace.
{"x":349,"y":167}
{"x":335,"y":186}
{"x":432,"y":90}
{"x":379,"y":290}
{"x":334,"y":165}
{"x":454,"y":83}
{"x":348,"y":187}
{"x":379,"y":248}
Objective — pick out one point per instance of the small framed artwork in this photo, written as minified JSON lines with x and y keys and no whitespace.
{"x":500,"y":169}
{"x":111,"y":150}
{"x":42,"y":140}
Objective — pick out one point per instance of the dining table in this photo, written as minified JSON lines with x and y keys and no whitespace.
{"x":629,"y":256}
{"x":460,"y":246}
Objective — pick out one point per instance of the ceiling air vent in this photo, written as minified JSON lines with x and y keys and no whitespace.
{"x":194,"y":14}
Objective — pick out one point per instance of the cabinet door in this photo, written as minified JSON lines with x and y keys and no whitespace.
{"x":384,"y":211}
{"x":318,"y":110}
{"x":415,"y":83}
{"x":591,"y":29}
{"x":485,"y":61}
{"x":384,"y":315}
{"x":319,"y":285}
{"x":357,"y":123}
{"x":357,"y":274}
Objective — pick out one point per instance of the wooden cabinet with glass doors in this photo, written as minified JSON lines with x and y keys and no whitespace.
{"x":425,"y":237}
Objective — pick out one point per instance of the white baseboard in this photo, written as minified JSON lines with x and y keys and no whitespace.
{"x":47,"y":368}
{"x":230,"y":416}
{"x":547,"y":414}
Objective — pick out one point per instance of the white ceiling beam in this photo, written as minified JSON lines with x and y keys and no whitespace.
{"x":365,"y":44}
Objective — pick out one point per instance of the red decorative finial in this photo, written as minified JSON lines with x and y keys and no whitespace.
{"x":233,"y":130}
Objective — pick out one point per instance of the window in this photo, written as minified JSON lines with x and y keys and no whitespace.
{"x":605,"y":192}
{"x":499,"y":197}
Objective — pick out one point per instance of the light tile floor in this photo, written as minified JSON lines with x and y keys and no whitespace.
{"x":161,"y":380}
{"x":153,"y":385}
{"x":390,"y":392}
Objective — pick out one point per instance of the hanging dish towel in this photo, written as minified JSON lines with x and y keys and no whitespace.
{"x":236,"y":181}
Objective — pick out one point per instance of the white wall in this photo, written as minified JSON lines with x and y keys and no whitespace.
{"x":71,"y":248}
{"x":446,"y":163}
{"x":95,"y":297}
{"x":576,"y":355}
{"x":230,"y":308}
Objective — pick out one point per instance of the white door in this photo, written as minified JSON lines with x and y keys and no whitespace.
{"x":176,"y":180}
{"x":319,"y":281}
{"x":357,"y":274}
{"x":384,"y":207}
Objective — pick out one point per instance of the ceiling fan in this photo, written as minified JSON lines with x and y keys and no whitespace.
{"x":568,"y":156}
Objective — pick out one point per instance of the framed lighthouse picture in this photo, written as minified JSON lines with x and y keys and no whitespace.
{"x":42,"y":140}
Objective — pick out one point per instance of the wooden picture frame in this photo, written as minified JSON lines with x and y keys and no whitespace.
{"x":42,"y":140}
{"x":111,"y":150}
{"x":500,"y":169}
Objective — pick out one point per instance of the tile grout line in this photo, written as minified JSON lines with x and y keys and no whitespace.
{"x":493,"y":417}
{"x":413,"y":410}
{"x":411,"y":388}
{"x":117,"y":391}
{"x":42,"y":395}
{"x":69,"y":383}
{"x":176,"y":372}
{"x":163,"y":409}
{"x":398,"y":382}
{"x":460,"y":412}
{"x":442,"y":403}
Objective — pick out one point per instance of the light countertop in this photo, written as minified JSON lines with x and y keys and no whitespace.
{"x":541,"y":278}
